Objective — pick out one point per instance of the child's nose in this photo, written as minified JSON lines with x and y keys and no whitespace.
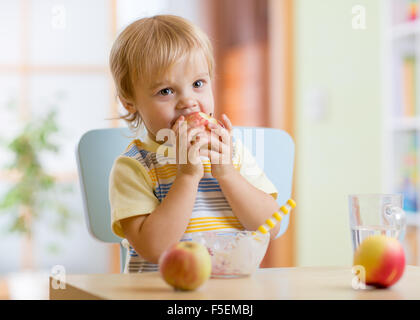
{"x":187,"y":103}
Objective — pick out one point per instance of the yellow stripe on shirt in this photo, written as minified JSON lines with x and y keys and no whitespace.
{"x":213,"y":228}
{"x":221,"y":218}
{"x":228,"y":225}
{"x":214,"y":222}
{"x":233,"y":220}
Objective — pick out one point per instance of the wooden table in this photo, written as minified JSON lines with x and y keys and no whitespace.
{"x":266,"y":284}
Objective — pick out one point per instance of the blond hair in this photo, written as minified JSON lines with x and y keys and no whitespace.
{"x":147,"y":48}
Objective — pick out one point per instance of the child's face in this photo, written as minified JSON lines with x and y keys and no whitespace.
{"x":184,"y":89}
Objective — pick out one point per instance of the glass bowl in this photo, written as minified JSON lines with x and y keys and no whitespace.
{"x":233,"y":254}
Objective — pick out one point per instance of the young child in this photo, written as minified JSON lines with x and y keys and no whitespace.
{"x":163,"y":70}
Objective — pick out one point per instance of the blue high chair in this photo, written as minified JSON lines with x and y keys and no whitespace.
{"x":97,"y":150}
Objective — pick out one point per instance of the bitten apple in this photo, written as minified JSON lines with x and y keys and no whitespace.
{"x":186,"y":265}
{"x":203,"y":119}
{"x":383,"y":260}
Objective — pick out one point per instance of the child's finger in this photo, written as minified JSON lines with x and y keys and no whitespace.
{"x":227,"y":122}
{"x":192,"y":134}
{"x":187,"y":140}
{"x":214,"y":142}
{"x":187,"y":127}
{"x":201,"y":142}
{"x":212,"y":126}
{"x":215,"y":157}
{"x":195,"y":150}
{"x":222,"y":133}
{"x":195,"y":124}
{"x":175,"y":127}
{"x":224,"y":146}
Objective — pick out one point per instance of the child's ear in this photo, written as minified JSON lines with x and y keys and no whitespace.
{"x":129,"y":106}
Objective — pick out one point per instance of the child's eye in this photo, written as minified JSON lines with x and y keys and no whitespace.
{"x":165,"y":92}
{"x":198,"y":83}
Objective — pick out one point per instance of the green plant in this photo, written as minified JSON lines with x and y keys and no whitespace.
{"x":33,"y":191}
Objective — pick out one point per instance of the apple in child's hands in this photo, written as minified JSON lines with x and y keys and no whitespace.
{"x":202,"y":118}
{"x":186,"y":265}
{"x":383,"y":260}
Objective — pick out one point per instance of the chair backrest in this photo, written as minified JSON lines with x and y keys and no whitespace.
{"x":97,"y":150}
{"x":274,"y":151}
{"x":95,"y":155}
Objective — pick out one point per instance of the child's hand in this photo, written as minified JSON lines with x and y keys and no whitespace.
{"x":189,"y":139}
{"x":220,"y":149}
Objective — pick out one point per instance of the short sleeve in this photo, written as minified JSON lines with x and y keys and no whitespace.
{"x":130,"y":192}
{"x":249,"y":169}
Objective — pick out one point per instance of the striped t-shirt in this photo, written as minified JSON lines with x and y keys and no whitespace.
{"x":143,"y":175}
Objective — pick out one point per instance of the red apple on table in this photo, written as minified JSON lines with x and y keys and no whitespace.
{"x":186,"y":265}
{"x":383,"y":260}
